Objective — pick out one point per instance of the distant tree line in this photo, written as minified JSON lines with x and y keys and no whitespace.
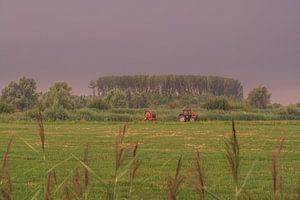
{"x":136,"y":92}
{"x":175,"y":85}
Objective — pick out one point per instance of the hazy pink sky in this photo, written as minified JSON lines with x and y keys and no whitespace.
{"x":255,"y":41}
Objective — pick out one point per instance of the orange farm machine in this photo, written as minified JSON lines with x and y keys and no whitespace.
{"x":150,"y":115}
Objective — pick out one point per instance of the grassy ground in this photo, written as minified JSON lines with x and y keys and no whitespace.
{"x":161,"y":144}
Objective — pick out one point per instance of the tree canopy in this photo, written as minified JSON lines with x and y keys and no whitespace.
{"x":259,"y":97}
{"x":59,"y":95}
{"x":170,"y":85}
{"x":21,"y":93}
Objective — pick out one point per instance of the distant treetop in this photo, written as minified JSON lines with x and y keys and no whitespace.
{"x":170,"y":85}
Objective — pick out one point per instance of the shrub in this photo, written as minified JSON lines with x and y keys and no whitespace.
{"x":32,"y":113}
{"x":293,"y":110}
{"x":217,"y":103}
{"x":6,"y":108}
{"x":259,"y":97}
{"x":239,"y":105}
{"x":56,"y":114}
{"x":276,"y":105}
{"x":99,"y":103}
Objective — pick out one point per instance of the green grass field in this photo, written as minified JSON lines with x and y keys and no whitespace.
{"x":160,"y":146}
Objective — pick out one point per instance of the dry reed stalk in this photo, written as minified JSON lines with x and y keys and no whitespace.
{"x":274,"y":172}
{"x":286,"y":197}
{"x":68,"y":195}
{"x":277,"y":180}
{"x":298,"y":190}
{"x":119,"y":147}
{"x":200,"y":173}
{"x":51,"y":182}
{"x":40,"y":119}
{"x":134,"y":166}
{"x":85,"y":161}
{"x":232,"y":149}
{"x":77,"y":184}
{"x":173,"y":185}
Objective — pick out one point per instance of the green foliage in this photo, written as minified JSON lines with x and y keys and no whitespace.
{"x":81,"y":101}
{"x":170,"y":85}
{"x":259,"y":97}
{"x":59,"y":96}
{"x":21,"y":93}
{"x":239,"y":105}
{"x":217,"y":103}
{"x":6,"y":107}
{"x":56,"y":113}
{"x":99,"y":103}
{"x":116,"y":98}
{"x":138,"y":100}
{"x":276,"y":105}
{"x":290,"y":110}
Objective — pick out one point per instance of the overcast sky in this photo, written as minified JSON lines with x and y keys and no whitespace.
{"x":255,"y":41}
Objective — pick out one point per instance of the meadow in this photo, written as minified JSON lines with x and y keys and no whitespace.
{"x":160,"y":145}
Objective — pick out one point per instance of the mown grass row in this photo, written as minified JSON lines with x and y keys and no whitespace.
{"x":165,"y":115}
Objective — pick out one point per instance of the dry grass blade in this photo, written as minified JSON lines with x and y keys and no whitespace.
{"x":281,"y":142}
{"x":232,"y":149}
{"x":173,"y":185}
{"x":51,"y":182}
{"x":77,"y":184}
{"x":85,"y":161}
{"x":199,"y":168}
{"x":277,"y":182}
{"x":298,"y":190}
{"x":4,"y":195}
{"x":274,"y":172}
{"x":119,"y":148}
{"x":5,"y":171}
{"x":40,"y":119}
{"x":68,"y":195}
{"x":134,"y":166}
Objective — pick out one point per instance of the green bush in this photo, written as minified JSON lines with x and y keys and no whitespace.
{"x":31,"y":114}
{"x":99,"y":103}
{"x":292,"y":110}
{"x":6,"y":108}
{"x":217,"y":103}
{"x":239,"y":105}
{"x":55,"y":114}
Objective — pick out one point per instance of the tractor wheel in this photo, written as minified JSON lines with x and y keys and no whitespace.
{"x":181,"y":118}
{"x":192,"y":119}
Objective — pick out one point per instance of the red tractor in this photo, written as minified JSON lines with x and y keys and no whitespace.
{"x":188,"y":115}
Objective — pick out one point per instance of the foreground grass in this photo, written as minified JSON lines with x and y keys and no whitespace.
{"x":160,"y":146}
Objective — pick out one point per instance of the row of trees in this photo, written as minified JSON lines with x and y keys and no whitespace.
{"x":22,"y":95}
{"x":169,"y":85}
